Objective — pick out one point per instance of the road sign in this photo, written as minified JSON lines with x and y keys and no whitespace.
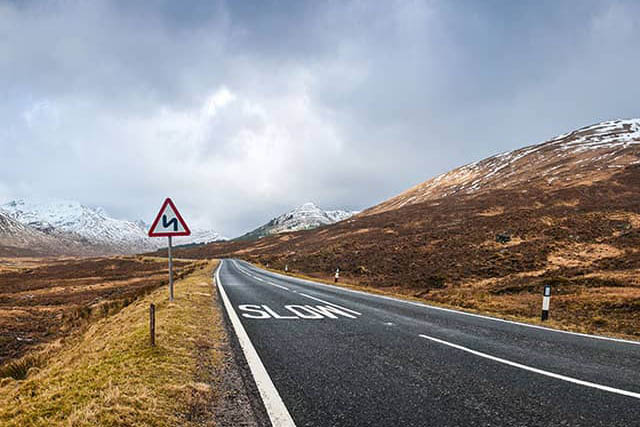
{"x":169,"y":223}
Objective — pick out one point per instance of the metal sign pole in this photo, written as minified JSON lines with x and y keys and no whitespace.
{"x":169,"y":223}
{"x":170,"y":272}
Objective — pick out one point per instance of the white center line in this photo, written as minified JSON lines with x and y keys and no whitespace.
{"x":260,"y":279}
{"x":276,"y":285}
{"x":308,"y":296}
{"x":454,"y":311}
{"x":535,"y":370}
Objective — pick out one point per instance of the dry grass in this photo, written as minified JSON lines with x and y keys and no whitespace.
{"x":494,"y":211}
{"x":109,"y":375}
{"x":44,"y":299}
{"x":582,"y":254}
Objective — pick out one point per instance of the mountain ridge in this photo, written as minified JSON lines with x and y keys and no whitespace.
{"x":71,"y":228}
{"x":304,"y":217}
{"x":571,"y":153}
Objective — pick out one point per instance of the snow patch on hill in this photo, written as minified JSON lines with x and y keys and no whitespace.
{"x":92,"y":225}
{"x":304,"y":217}
{"x":578,"y":156}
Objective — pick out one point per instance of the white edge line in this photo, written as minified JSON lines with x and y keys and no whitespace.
{"x":276,"y":409}
{"x":451,"y":310}
{"x":535,"y":370}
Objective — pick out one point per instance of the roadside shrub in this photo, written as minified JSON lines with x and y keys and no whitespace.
{"x":557,"y":281}
{"x":559,"y":285}
{"x":599,"y":321}
{"x":432,"y":281}
{"x":19,"y":369}
{"x":361,"y":269}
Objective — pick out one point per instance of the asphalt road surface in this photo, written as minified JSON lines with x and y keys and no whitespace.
{"x":326,"y":356}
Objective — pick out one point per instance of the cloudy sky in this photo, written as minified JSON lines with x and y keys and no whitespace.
{"x":241,"y":110}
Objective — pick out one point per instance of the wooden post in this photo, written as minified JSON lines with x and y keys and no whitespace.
{"x":152,"y":324}
{"x":170,"y":272}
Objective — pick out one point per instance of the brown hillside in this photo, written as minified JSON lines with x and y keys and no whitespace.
{"x":570,"y":206}
{"x":583,"y":156}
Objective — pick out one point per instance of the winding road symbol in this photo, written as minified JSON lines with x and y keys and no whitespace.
{"x":166,"y":222}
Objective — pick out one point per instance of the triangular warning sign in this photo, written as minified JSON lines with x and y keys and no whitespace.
{"x":169,"y":222}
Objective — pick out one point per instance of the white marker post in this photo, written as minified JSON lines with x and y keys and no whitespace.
{"x":169,"y":223}
{"x":337,"y":276}
{"x":546,"y":297}
{"x":286,"y":268}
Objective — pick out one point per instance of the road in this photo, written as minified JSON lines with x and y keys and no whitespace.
{"x":327,"y":356}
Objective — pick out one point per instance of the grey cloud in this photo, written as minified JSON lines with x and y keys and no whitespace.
{"x":345,"y":103}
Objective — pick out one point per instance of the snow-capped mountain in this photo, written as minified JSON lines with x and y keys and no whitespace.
{"x":304,"y":217}
{"x":15,"y":234}
{"x":91,"y":226}
{"x":17,"y":239}
{"x":9,"y":226}
{"x":588,"y":154}
{"x":74,"y":220}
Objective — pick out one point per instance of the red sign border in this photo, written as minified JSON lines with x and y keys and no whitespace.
{"x":186,"y":231}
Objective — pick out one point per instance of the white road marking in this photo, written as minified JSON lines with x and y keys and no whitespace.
{"x":276,"y":315}
{"x":304,"y":312}
{"x":254,"y":311}
{"x":464,"y":313}
{"x":277,"y":286}
{"x":330,"y":303}
{"x":258,"y":312}
{"x":535,"y":370}
{"x":246,"y":272}
{"x":275,"y":407}
{"x":330,"y":312}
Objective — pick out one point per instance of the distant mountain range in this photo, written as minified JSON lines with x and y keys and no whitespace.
{"x":55,"y":227}
{"x":30,"y":227}
{"x":305,"y":217}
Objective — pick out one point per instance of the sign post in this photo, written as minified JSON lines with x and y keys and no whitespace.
{"x":169,"y":223}
{"x":170,"y":270}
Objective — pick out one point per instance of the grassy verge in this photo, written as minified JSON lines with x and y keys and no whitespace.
{"x":479,"y":302}
{"x":109,"y":374}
